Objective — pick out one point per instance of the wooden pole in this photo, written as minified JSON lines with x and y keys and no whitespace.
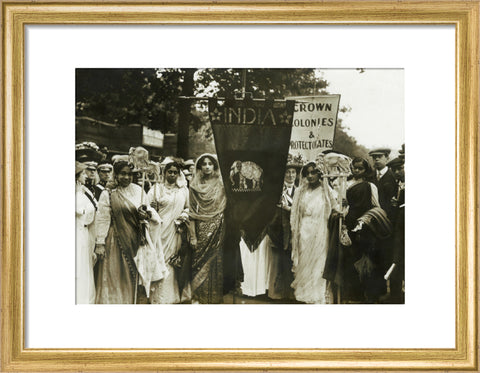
{"x":184,"y":116}
{"x":136,"y":289}
{"x":143,"y":187}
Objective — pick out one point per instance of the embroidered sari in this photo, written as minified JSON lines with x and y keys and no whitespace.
{"x":120,"y":229}
{"x":207,"y":204}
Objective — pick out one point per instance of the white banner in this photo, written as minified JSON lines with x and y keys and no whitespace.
{"x":314,"y":122}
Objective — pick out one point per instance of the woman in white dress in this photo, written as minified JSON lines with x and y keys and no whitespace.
{"x":85,"y":238}
{"x":312,"y":205}
{"x":170,"y":200}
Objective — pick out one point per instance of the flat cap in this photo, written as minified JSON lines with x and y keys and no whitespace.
{"x":380,"y":151}
{"x":397,"y":162}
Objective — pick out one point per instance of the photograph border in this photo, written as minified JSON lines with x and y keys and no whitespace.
{"x":464,"y":15}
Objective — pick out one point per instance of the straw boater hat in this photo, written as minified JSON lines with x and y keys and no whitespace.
{"x":188,"y":163}
{"x":105,"y":167}
{"x":91,"y":165}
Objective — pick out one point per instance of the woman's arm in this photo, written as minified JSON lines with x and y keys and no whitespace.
{"x":103,"y":218}
{"x":102,"y":223}
{"x":184,"y":214}
{"x":192,"y":233}
{"x":375,"y":200}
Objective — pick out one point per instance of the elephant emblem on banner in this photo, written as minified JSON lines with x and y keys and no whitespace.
{"x":246,"y":176}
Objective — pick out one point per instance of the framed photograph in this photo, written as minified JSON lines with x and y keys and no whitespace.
{"x":232,"y":204}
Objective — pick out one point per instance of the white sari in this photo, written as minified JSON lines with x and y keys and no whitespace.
{"x":310,"y":212}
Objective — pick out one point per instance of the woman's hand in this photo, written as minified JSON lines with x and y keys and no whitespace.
{"x":286,"y":207}
{"x":394,"y":202}
{"x":193,"y":242}
{"x":155,"y":205}
{"x":100,"y":251}
{"x":143,"y":214}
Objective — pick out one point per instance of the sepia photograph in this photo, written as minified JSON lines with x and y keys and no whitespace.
{"x":239,"y":186}
{"x":230,"y":155}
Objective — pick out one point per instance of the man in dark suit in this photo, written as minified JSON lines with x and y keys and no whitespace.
{"x":385,"y":180}
{"x":387,"y":189}
{"x":279,"y":231}
{"x":397,"y":277}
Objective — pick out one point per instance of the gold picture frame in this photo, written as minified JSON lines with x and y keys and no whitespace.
{"x":464,"y":15}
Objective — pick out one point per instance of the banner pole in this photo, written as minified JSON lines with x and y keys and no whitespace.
{"x":244,"y":82}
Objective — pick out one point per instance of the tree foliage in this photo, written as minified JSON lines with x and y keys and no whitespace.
{"x":150,"y":97}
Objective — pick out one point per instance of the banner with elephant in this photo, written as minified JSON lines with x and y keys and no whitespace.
{"x":252,"y":138}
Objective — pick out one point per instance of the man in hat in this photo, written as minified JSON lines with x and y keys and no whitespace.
{"x":105,"y":174}
{"x":385,"y":180}
{"x":397,"y":276}
{"x":401,"y":152}
{"x":279,"y":231}
{"x":189,"y":165}
{"x":188,"y":168}
{"x":91,"y":172}
{"x":387,"y":190}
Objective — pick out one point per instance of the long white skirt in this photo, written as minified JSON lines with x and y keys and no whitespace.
{"x":255,"y":268}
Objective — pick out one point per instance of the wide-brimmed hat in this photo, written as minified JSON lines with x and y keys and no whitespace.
{"x":88,"y":151}
{"x":294,"y":162}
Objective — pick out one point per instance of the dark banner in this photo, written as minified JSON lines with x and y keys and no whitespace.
{"x":252,"y":139}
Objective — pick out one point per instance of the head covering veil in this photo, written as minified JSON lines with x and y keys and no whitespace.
{"x":181,"y":180}
{"x":299,"y":207}
{"x":207,"y":196}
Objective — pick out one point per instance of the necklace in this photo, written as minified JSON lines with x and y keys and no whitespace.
{"x":169,"y":188}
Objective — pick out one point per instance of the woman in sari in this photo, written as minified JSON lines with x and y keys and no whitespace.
{"x":85,"y":207}
{"x":362,"y":196}
{"x":312,"y":205}
{"x":123,"y":227}
{"x":207,"y":230}
{"x":170,"y":200}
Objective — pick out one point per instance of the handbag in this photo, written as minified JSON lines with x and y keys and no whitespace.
{"x":344,"y":237}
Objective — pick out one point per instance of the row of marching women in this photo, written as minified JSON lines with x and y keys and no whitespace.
{"x":149,"y":236}
{"x":158,"y":233}
{"x":337,"y":235}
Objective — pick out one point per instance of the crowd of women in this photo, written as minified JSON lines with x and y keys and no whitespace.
{"x":159,"y":237}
